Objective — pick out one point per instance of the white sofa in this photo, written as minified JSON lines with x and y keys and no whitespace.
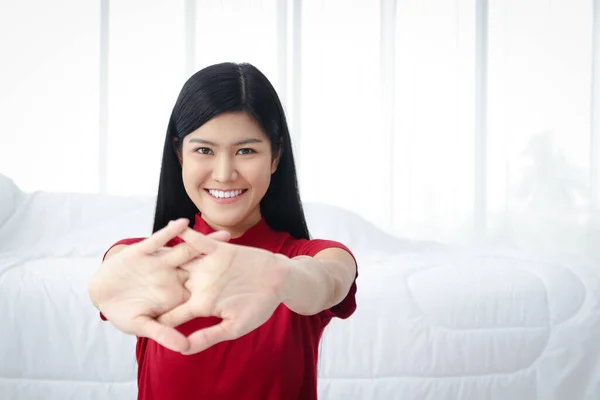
{"x":433,"y":322}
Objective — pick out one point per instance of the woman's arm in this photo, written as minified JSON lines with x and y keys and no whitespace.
{"x":314,"y":284}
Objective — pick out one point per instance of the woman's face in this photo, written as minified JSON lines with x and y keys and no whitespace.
{"x":226,"y":168}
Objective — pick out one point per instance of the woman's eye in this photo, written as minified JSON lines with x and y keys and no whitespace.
{"x":204,"y":150}
{"x":246,"y":151}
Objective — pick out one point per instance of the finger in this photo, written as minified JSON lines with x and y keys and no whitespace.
{"x":161,"y":334}
{"x":182,"y":275}
{"x":161,"y":237}
{"x":202,"y":243}
{"x":179,"y":255}
{"x":162,"y":250}
{"x":184,"y":252}
{"x":207,"y":337}
{"x":221,"y":236}
{"x":183,"y":313}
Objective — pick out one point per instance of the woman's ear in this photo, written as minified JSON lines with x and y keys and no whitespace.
{"x":277,"y":157}
{"x":177,"y":151}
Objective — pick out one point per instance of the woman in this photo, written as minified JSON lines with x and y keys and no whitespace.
{"x":229,"y":296}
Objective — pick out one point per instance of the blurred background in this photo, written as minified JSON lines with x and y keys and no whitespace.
{"x":462,"y":121}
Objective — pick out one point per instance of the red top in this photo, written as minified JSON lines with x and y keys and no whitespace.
{"x":276,"y":361}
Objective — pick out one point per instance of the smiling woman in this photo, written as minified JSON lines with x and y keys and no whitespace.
{"x":220,"y":169}
{"x":230,"y":296}
{"x":220,"y":112}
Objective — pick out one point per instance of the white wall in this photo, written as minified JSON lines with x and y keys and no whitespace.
{"x":452,"y":121}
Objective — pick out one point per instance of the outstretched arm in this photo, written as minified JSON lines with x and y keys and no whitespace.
{"x":314,"y":284}
{"x":244,"y":286}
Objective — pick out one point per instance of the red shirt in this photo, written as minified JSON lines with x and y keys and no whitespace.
{"x":277,"y":361}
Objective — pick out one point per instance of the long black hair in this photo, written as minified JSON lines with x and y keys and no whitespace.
{"x":209,"y":92}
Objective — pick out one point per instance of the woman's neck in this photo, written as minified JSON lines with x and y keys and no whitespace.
{"x":238,"y":229}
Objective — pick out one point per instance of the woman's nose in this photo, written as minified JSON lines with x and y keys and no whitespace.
{"x":224,"y":169}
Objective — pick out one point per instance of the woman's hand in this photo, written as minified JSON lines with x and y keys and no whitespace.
{"x":239,"y":284}
{"x":143,"y":281}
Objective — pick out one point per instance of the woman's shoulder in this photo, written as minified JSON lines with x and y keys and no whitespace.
{"x":310,"y":247}
{"x":119,"y":246}
{"x":123,"y":243}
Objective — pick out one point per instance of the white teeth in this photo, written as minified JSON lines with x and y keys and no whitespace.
{"x":222,"y":195}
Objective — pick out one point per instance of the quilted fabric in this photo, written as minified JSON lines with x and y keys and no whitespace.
{"x":432,"y":322}
{"x":10,"y":197}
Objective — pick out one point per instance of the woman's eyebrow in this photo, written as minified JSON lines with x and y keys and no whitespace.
{"x":247,"y":141}
{"x":202,"y":141}
{"x":240,"y":143}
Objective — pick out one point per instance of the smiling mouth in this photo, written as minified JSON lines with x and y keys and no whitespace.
{"x":225,"y":194}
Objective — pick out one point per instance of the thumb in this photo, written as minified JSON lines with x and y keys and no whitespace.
{"x":168,"y":337}
{"x":208,"y":337}
{"x":183,"y":313}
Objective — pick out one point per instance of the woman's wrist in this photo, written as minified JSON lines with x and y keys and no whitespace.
{"x":307,"y":287}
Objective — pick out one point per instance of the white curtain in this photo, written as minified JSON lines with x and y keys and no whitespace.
{"x":458,"y":121}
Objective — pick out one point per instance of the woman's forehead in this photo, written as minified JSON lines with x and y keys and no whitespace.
{"x":228,"y":128}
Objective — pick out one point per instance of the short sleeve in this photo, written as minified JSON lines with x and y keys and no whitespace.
{"x":123,"y":241}
{"x":120,"y":242}
{"x":347,"y":306}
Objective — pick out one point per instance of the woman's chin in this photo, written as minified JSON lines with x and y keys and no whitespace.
{"x":231,"y":221}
